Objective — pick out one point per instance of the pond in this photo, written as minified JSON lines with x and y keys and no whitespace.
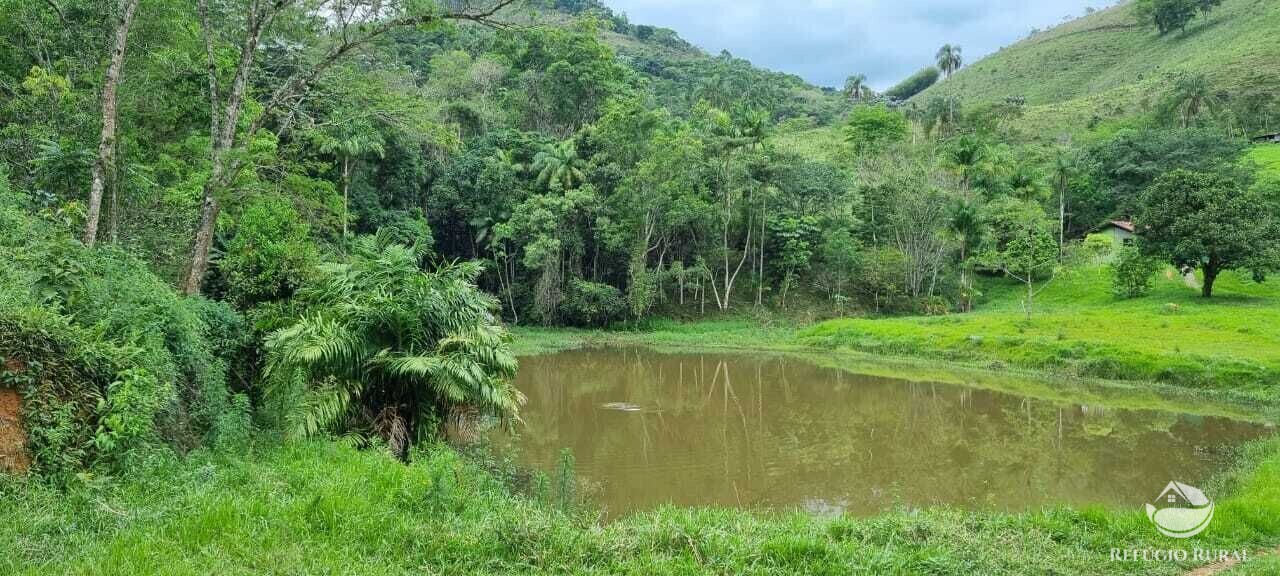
{"x":772,"y":431}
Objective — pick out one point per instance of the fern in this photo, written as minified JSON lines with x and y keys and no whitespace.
{"x":385,"y":347}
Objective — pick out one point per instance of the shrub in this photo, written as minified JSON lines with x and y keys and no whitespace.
{"x":1131,"y":273}
{"x":384,"y":351}
{"x":1098,"y":247}
{"x":269,"y":255}
{"x":108,"y":358}
{"x":592,"y":304}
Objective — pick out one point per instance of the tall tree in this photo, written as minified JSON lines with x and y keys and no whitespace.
{"x":349,"y":145}
{"x":351,"y":25}
{"x":1209,"y":221}
{"x":855,"y":87}
{"x":104,"y":168}
{"x":1064,"y":169}
{"x":949,"y":59}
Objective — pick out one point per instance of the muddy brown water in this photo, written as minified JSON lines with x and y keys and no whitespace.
{"x":764,"y":431}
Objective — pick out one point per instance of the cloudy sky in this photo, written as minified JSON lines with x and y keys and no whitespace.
{"x":824,"y":41}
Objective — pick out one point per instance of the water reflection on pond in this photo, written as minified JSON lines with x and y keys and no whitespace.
{"x":648,"y":428}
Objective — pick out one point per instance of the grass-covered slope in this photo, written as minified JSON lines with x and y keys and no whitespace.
{"x":1231,"y":342}
{"x":1106,"y":65}
{"x":320,"y":508}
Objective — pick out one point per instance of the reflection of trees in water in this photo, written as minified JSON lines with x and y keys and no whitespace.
{"x":721,"y":429}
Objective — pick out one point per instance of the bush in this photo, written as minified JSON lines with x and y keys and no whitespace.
{"x":1131,"y":273}
{"x":269,"y":255}
{"x":108,"y":358}
{"x":1098,"y":247}
{"x":592,"y":304}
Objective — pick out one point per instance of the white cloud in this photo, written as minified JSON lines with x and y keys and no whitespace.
{"x":824,"y":41}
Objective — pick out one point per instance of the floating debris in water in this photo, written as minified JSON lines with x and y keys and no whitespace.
{"x":622,"y":407}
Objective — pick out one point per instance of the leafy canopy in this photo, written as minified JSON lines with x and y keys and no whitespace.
{"x":1211,"y":222}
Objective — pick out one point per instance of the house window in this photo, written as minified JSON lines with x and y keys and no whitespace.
{"x":1173,"y":499}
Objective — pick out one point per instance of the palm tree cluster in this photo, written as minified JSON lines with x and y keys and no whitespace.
{"x":384,"y":348}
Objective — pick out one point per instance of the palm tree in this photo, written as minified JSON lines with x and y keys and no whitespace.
{"x":965,"y":222}
{"x":965,"y":156}
{"x":559,"y":163}
{"x":753,"y":127}
{"x":949,"y":59}
{"x":1026,"y":183}
{"x":508,"y":159}
{"x":1065,"y":166}
{"x":1192,"y":96}
{"x":383,"y":348}
{"x":351,"y":145}
{"x":855,"y":87}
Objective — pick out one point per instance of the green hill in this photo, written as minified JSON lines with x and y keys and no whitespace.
{"x":1107,"y":66}
{"x":680,"y":74}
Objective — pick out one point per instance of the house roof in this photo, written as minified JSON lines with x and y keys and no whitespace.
{"x":1125,"y":225}
{"x":1267,"y":137}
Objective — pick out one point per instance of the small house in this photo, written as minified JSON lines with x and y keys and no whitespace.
{"x":1268,"y":139}
{"x":1120,"y":231}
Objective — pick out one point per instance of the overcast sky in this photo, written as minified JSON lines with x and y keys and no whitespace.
{"x":825,"y":41}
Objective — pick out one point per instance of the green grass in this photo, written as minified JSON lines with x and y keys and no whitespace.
{"x":322,"y":508}
{"x":1267,"y":157}
{"x":1226,"y":344}
{"x":739,"y":333}
{"x":1106,"y":66}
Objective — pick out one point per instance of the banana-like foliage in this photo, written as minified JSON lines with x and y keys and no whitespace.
{"x":383,"y":348}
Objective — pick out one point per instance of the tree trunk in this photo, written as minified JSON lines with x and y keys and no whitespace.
{"x":104,"y":168}
{"x":1210,"y":276}
{"x":223,"y":131}
{"x":1062,"y":219}
{"x":204,"y":241}
{"x":1031,"y":294}
{"x":346,"y":187}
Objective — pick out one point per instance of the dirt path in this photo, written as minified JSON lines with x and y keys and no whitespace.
{"x":1220,"y":567}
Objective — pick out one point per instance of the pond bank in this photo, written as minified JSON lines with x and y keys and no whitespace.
{"x":324,"y":508}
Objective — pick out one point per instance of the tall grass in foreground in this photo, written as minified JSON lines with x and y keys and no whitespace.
{"x":322,"y":508}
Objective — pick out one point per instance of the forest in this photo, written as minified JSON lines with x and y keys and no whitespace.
{"x":227,"y":226}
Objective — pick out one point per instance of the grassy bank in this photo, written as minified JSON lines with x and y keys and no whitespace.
{"x":321,"y":508}
{"x":1227,"y":344}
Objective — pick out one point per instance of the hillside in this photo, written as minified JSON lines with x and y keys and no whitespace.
{"x":1106,"y":66}
{"x":680,"y":74}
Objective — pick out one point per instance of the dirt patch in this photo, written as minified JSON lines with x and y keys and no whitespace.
{"x":13,"y":440}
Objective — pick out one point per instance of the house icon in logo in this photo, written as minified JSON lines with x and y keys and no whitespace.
{"x":1181,"y":511}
